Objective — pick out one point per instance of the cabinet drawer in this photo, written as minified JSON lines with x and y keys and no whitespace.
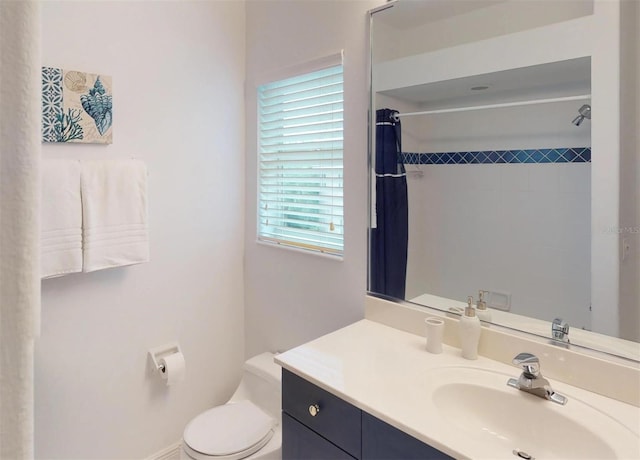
{"x":299,"y":442}
{"x":381,"y":441}
{"x":336,"y":419}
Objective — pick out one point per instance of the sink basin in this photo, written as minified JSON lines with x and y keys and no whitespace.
{"x":479,"y":403}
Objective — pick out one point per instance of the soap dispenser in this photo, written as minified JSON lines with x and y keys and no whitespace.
{"x":483,"y":313}
{"x":469,"y":331}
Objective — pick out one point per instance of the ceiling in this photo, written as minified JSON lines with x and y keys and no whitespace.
{"x":564,"y":78}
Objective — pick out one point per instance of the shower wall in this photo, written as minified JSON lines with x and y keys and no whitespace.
{"x":522,"y":229}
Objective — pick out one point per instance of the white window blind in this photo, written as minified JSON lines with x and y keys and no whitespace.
{"x":300,"y":123}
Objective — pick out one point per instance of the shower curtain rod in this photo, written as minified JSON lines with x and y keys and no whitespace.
{"x":496,"y":106}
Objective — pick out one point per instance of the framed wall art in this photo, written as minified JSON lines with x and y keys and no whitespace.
{"x":76,"y":106}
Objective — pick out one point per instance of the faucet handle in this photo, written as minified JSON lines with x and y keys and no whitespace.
{"x":529,"y":363}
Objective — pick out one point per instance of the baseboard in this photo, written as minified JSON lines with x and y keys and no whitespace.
{"x":168,"y":453}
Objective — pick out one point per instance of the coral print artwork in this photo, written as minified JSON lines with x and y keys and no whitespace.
{"x":76,"y":107}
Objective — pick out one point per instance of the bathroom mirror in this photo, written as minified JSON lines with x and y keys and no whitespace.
{"x":513,"y":188}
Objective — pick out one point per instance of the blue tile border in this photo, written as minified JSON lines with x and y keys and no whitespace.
{"x":559,"y":155}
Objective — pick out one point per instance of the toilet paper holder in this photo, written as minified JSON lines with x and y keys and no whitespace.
{"x":157,"y":353}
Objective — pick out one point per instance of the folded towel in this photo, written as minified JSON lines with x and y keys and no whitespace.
{"x":61,"y":226}
{"x":114,"y":209}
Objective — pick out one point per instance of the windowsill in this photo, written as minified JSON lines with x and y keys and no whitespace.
{"x":337,"y":258}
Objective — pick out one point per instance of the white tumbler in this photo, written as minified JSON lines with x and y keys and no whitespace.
{"x":435,"y":332}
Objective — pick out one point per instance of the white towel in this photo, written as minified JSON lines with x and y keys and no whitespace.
{"x":61,"y":226}
{"x":114,"y":209}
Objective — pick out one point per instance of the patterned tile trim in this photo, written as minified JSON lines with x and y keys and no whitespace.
{"x":560,"y":155}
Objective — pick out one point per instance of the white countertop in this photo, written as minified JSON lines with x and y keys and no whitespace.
{"x":387,"y":373}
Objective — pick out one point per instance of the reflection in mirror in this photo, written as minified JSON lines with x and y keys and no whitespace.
{"x":485,"y":134}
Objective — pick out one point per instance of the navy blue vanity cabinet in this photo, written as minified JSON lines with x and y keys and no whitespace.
{"x":301,"y":443}
{"x":326,"y":415}
{"x":316,"y":425}
{"x":381,"y":441}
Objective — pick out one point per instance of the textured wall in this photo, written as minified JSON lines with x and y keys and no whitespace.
{"x":20,"y":217}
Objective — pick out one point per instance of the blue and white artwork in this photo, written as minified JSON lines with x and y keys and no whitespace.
{"x":76,"y":106}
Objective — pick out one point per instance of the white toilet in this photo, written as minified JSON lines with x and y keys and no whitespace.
{"x":248,"y":426}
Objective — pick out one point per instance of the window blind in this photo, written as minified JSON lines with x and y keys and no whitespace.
{"x":300,"y":122}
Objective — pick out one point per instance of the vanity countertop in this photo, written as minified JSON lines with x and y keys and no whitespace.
{"x":388,"y":373}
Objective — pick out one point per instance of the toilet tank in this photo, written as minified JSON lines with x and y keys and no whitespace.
{"x":261,"y":384}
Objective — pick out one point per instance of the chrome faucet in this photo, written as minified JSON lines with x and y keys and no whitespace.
{"x":532,"y":381}
{"x":560,"y":330}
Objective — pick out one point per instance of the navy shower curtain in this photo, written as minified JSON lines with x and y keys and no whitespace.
{"x":390,"y":237}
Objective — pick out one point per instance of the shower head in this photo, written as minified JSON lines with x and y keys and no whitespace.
{"x":585,"y":112}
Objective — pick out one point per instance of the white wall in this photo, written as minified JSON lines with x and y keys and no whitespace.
{"x":178,"y":70}
{"x":292,"y":297}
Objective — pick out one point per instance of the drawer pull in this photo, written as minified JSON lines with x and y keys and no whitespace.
{"x":314,"y":410}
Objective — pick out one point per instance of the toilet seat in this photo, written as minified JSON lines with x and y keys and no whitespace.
{"x":228,"y":432}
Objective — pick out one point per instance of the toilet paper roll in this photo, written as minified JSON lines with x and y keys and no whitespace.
{"x":174,"y":368}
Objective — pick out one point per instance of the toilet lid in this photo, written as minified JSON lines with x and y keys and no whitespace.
{"x":227,"y":429}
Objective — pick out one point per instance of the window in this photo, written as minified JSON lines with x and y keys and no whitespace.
{"x":300,"y":202}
